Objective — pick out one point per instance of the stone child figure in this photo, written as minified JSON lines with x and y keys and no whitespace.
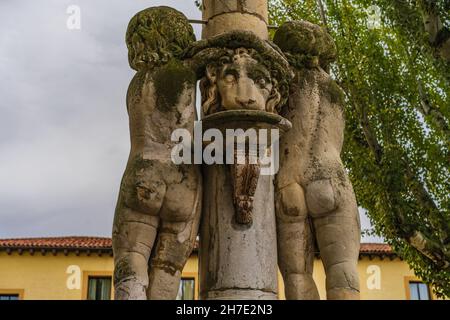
{"x":315,"y":202}
{"x":158,"y":210}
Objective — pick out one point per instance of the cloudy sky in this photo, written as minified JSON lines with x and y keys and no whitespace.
{"x":64,"y":136}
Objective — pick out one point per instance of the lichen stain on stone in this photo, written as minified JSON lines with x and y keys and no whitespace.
{"x":123,"y":270}
{"x":168,"y":80}
{"x":333,"y":92}
{"x":155,"y":35}
{"x":136,"y":193}
{"x":171,"y":257}
{"x":306,"y":45}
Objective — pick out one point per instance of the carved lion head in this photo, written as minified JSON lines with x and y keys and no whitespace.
{"x":239,"y":81}
{"x":238,"y":70}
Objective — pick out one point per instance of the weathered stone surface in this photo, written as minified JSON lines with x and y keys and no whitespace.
{"x":225,"y":16}
{"x":305,"y":44}
{"x":314,"y":198}
{"x":238,"y":76}
{"x":320,"y":197}
{"x":158,"y":210}
{"x":213,"y":8}
{"x":262,"y":72}
{"x":156,"y":35}
{"x":244,"y":176}
{"x":237,"y":261}
{"x":258,"y":7}
{"x":242,"y":72}
{"x":234,"y":22}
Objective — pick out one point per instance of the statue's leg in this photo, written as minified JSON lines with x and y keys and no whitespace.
{"x":133,"y":240}
{"x":167,"y":263}
{"x":180,"y":217}
{"x":135,"y":228}
{"x":295,"y":244}
{"x":337,"y":230}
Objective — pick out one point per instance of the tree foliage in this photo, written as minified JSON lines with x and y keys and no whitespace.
{"x":394,"y":70}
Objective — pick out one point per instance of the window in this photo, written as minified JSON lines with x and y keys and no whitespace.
{"x":99,"y":288}
{"x":11,"y":294}
{"x":187,"y":289}
{"x":418,"y":291}
{"x":9,"y":297}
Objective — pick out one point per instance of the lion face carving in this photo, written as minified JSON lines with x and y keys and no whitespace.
{"x":239,"y":81}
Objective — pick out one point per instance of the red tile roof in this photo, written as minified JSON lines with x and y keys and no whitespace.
{"x":376,"y":248}
{"x":104,"y":244}
{"x":57,"y":243}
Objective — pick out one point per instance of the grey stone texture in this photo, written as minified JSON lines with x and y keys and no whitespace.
{"x":237,"y":261}
{"x":229,"y":15}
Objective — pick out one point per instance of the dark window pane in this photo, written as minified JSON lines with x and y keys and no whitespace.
{"x":9,"y":297}
{"x":187,"y":289}
{"x":99,"y":288}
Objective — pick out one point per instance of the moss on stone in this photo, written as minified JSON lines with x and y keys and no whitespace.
{"x":209,"y":51}
{"x":305,"y":43}
{"x":335,"y":93}
{"x":155,"y":35}
{"x":203,"y":52}
{"x":169,"y":81}
{"x":123,"y":270}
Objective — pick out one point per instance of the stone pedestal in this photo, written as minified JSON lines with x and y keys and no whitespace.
{"x":237,"y":261}
{"x":229,"y":15}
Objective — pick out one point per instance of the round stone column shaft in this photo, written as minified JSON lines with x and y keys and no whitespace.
{"x":227,"y":15}
{"x":236,"y":261}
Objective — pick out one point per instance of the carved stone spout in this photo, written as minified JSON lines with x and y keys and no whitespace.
{"x":245,"y":179}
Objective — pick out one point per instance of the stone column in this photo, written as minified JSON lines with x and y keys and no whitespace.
{"x":229,"y":15}
{"x":237,"y":261}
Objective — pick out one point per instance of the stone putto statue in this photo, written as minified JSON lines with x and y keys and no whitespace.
{"x":315,"y":203}
{"x":158,"y":210}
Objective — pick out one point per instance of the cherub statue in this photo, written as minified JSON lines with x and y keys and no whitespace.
{"x":158,"y":210}
{"x":315,"y":202}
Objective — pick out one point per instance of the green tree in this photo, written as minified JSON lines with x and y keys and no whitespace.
{"x":394,"y":66}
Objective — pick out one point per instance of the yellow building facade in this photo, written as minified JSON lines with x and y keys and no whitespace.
{"x":77,"y":268}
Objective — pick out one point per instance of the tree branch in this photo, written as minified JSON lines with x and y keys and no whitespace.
{"x":426,"y":109}
{"x":434,"y":250}
{"x":323,"y":15}
{"x":438,"y":34}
